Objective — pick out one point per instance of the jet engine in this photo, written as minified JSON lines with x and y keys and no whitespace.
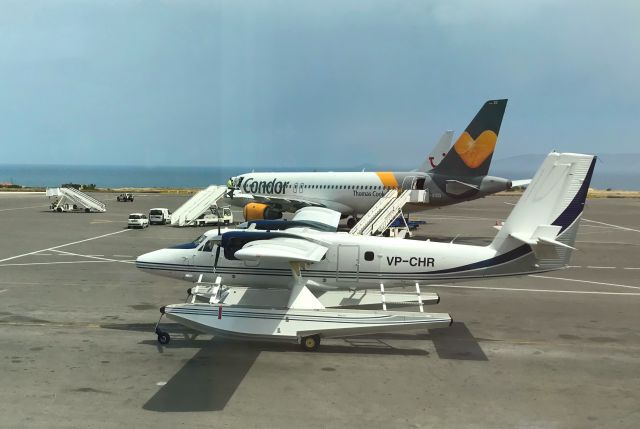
{"x":259,"y":211}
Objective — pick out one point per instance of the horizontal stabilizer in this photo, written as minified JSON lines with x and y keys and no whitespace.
{"x":522,"y":183}
{"x":457,"y":187}
{"x":543,"y":234}
{"x":556,"y":243}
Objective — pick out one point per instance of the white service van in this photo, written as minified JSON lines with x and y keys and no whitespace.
{"x":159,"y":216}
{"x":224,"y":216}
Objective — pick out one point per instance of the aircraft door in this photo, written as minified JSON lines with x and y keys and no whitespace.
{"x":409,"y":182}
{"x":348,"y":263}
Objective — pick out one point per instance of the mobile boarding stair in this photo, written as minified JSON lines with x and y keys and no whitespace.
{"x":71,"y":199}
{"x":197,"y":205}
{"x":297,"y":314}
{"x":386,"y":210}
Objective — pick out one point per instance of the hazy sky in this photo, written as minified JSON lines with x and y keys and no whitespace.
{"x":324,"y":83}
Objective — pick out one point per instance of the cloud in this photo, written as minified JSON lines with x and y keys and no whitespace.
{"x":329,"y":83}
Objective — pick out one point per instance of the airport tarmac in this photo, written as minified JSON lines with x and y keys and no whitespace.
{"x":559,"y":350}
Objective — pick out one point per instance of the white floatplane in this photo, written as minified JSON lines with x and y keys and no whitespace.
{"x":538,"y":236}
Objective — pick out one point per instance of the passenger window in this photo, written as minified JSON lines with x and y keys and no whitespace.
{"x":368,"y":256}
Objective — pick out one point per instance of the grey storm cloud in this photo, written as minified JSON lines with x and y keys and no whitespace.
{"x":331,"y":84}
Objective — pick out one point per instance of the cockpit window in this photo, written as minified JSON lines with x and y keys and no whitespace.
{"x":192,"y":245}
{"x":208,"y":246}
{"x":199,"y":240}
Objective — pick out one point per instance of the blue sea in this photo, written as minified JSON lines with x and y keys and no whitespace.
{"x":620,"y":172}
{"x":114,"y":176}
{"x":127,"y":176}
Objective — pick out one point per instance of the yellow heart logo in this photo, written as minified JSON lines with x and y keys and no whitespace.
{"x":474,"y":152}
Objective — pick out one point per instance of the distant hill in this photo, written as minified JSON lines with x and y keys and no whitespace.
{"x":619,"y":171}
{"x":616,"y":171}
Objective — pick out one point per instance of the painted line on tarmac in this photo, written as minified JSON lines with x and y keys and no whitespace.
{"x":613,"y":226}
{"x":622,"y":243}
{"x":20,"y":283}
{"x":515,"y":289}
{"x":22,"y":208}
{"x":52,"y":263}
{"x":94,"y":257}
{"x":584,"y":281}
{"x":64,"y":245}
{"x":10,"y":193}
{"x":457,"y":218}
{"x":3,"y":290}
{"x":122,"y":256}
{"x":600,"y":223}
{"x":603,"y":268}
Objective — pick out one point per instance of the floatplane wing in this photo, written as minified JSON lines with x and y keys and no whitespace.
{"x":286,"y":249}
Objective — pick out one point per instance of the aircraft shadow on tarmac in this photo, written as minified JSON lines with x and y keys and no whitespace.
{"x":209,"y":379}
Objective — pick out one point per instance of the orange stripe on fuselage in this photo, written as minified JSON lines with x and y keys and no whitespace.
{"x":388,"y":179}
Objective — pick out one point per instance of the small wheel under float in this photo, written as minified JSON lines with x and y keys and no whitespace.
{"x":310,"y":343}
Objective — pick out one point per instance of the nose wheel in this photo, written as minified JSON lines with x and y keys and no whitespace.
{"x":163,"y":337}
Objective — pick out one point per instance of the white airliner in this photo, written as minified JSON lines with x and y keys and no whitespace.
{"x":537,"y":236}
{"x":448,"y":176}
